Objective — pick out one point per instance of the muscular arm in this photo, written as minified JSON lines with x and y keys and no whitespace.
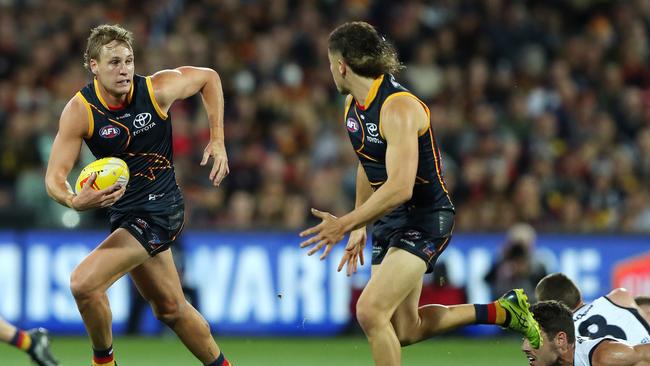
{"x":73,"y":125}
{"x":185,"y":81}
{"x":364,"y":189}
{"x":402,"y":118}
{"x":612,"y":353}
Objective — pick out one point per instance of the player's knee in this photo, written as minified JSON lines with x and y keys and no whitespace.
{"x":80,"y":285}
{"x":168,"y":311}
{"x":369,"y":315}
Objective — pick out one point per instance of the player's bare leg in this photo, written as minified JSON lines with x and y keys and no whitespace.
{"x":391,"y":282}
{"x":413,"y":324}
{"x":7,"y":331}
{"x":158,"y":282}
{"x":114,"y":257}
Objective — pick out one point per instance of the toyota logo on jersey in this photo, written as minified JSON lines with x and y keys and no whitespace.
{"x":141,"y":120}
{"x":109,"y":131}
{"x":352,"y":125}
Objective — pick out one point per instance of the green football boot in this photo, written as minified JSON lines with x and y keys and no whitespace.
{"x":515,"y":302}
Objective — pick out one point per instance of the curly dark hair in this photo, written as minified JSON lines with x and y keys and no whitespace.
{"x":554,"y":317}
{"x":364,"y":50}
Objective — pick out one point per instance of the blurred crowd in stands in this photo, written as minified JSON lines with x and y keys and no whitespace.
{"x":541,"y":108}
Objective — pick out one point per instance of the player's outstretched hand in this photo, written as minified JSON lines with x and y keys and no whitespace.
{"x":327,"y":233}
{"x":90,"y":198}
{"x":216,"y":150}
{"x":353,"y":251}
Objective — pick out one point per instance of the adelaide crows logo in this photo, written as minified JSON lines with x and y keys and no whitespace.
{"x":150,"y":164}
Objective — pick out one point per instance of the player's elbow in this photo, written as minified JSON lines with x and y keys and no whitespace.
{"x":400,"y":190}
{"x":407,"y":194}
{"x":213,"y":76}
{"x":53,"y":184}
{"x":210,"y":80}
{"x":402,"y":195}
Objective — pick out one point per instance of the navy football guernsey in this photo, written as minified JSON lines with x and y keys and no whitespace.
{"x":363,"y":125}
{"x":141,"y":135}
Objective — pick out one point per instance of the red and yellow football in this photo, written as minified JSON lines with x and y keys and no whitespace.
{"x":109,"y":171}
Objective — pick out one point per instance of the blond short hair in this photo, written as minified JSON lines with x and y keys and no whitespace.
{"x":103,"y":35}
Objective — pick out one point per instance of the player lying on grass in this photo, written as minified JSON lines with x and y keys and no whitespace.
{"x":560,"y":346}
{"x":615,"y":314}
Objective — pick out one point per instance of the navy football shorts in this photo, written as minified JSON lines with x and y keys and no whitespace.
{"x":156,"y":232}
{"x":426,"y":243}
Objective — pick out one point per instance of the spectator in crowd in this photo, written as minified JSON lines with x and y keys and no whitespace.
{"x":517,"y":267}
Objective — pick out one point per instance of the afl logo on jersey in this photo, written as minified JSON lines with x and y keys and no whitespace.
{"x":352,"y":125}
{"x":141,"y":120}
{"x":109,"y":131}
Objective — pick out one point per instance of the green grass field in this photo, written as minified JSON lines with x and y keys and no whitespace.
{"x":347,"y":351}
